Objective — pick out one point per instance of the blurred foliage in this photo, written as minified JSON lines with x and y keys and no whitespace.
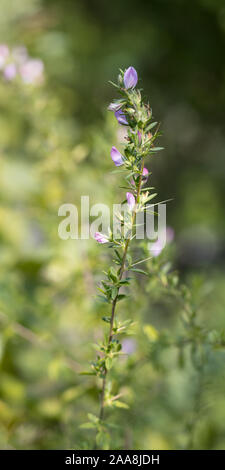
{"x":55,"y":141}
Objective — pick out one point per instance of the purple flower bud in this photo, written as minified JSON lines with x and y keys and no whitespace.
{"x":114,"y":106}
{"x":32,"y":71}
{"x":100,"y":238}
{"x":130,"y":78}
{"x":144,"y":175}
{"x":130,"y":201}
{"x":116,"y":156}
{"x":9,"y":72}
{"x":4,"y":53}
{"x":121,"y":118}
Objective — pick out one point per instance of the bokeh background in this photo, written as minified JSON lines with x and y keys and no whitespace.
{"x":55,"y":140}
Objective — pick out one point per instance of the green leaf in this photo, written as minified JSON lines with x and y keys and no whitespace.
{"x":118,"y":255}
{"x":87,"y":426}
{"x":103,"y":440}
{"x":101,"y":290}
{"x":106,"y":319}
{"x":87,"y":373}
{"x":112,"y":274}
{"x":153,"y":124}
{"x":94,"y":419}
{"x":114,"y":292}
{"x":108,"y":363}
{"x":113,"y":84}
{"x":124,"y":281}
{"x":139,"y":271}
{"x":151,"y":332}
{"x":151,"y":197}
{"x":121,"y":296}
{"x":156,"y":149}
{"x":166,"y":267}
{"x":120,"y":404}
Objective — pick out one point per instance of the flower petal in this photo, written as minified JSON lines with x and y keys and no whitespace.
{"x":145,"y":175}
{"x":156,"y":248}
{"x":130,"y":78}
{"x":100,"y":238}
{"x":116,"y":156}
{"x":121,"y":118}
{"x":114,"y":106}
{"x":10,"y":72}
{"x":130,"y":201}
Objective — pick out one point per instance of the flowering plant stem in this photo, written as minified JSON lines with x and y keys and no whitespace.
{"x":132,"y":112}
{"x":122,"y":269}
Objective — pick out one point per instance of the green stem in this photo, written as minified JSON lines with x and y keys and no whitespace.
{"x":122,"y":269}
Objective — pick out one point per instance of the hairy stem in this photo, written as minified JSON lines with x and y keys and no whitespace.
{"x":122,"y":269}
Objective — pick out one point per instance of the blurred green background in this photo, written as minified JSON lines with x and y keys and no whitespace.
{"x":55,"y":141}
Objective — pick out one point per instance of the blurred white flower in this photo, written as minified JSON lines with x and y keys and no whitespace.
{"x":32,"y":71}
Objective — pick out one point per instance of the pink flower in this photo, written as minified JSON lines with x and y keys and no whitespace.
{"x":145,"y":175}
{"x":130,"y":201}
{"x":10,"y":72}
{"x":116,"y":156}
{"x":130,"y":78}
{"x":156,"y":248}
{"x":100,"y":238}
{"x":32,"y":71}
